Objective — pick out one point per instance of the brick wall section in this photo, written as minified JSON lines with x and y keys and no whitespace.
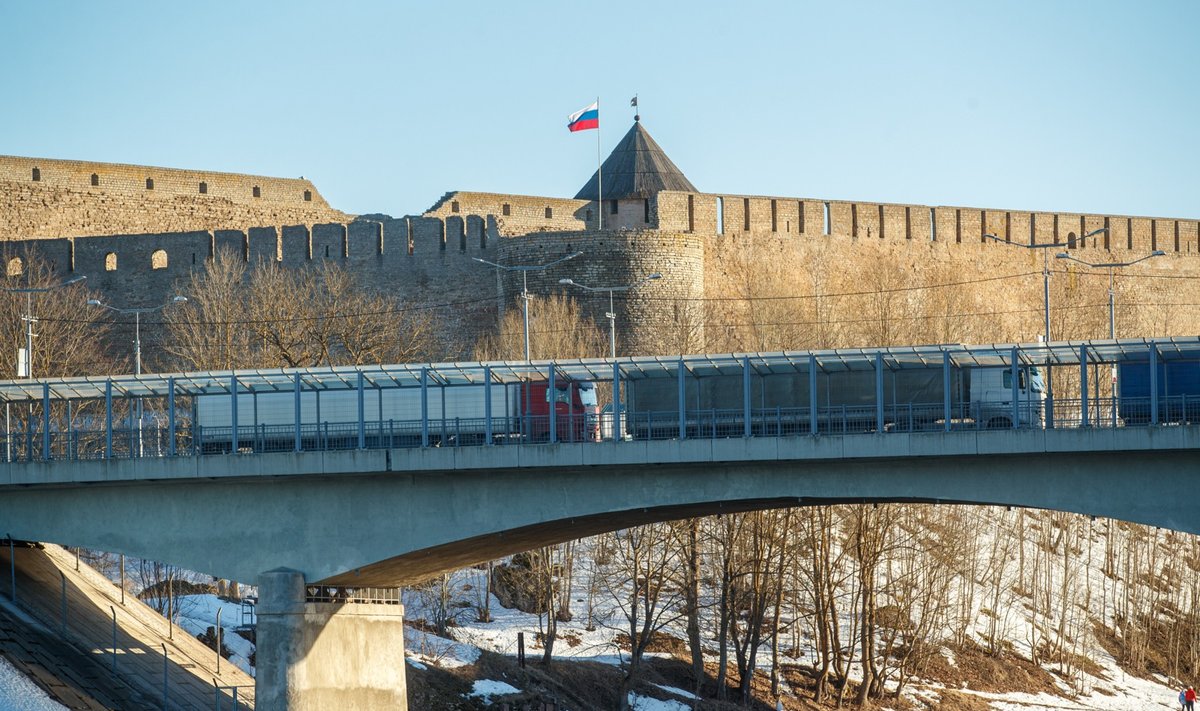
{"x":63,"y":202}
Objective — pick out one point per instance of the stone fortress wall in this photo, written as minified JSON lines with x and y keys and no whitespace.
{"x":42,"y":198}
{"x":691,"y":238}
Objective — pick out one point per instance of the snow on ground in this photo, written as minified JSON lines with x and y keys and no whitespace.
{"x":677,"y":692}
{"x":199,"y":612}
{"x":1114,"y":691}
{"x":487,"y":688}
{"x":645,"y":703}
{"x":421,"y":647}
{"x":18,"y":693}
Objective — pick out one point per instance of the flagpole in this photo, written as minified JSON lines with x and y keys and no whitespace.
{"x":599,"y":171}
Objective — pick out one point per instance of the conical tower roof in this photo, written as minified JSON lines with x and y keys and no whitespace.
{"x":636,"y":168}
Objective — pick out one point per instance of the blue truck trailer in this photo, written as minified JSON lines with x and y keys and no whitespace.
{"x":1178,"y":387}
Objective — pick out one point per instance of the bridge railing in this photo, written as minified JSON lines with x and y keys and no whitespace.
{"x":916,"y":389}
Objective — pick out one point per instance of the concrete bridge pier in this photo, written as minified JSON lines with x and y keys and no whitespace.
{"x":337,"y":653}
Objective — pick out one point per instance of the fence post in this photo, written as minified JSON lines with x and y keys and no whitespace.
{"x":45,"y":422}
{"x":879,"y":392}
{"x":171,"y":422}
{"x":1016,"y":392}
{"x":487,"y":405}
{"x":424,"y":407}
{"x":1083,"y":386}
{"x":362,"y":414}
{"x":62,"y":622}
{"x":217,"y":634}
{"x":233,"y":411}
{"x":296,"y":446}
{"x":552,"y":399}
{"x":108,"y":426}
{"x":947,"y":413}
{"x":747,"y":429}
{"x":813,"y":423}
{"x":1154,"y":383}
{"x":618,"y":429}
{"x":682,"y":402}
{"x":114,"y":638}
{"x":164,"y":649}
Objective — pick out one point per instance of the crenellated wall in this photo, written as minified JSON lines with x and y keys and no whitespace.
{"x":739,"y":214}
{"x":60,"y":198}
{"x":708,"y":248}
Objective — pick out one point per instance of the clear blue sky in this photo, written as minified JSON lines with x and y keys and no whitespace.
{"x":1071,"y":106}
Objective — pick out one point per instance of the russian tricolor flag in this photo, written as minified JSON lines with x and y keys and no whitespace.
{"x":584,"y":119}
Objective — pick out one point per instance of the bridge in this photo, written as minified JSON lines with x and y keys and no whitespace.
{"x":355,"y":479}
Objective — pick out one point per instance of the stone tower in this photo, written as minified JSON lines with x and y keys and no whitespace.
{"x":634,"y":173}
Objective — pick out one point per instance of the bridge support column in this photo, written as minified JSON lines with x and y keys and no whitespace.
{"x":326,"y":655}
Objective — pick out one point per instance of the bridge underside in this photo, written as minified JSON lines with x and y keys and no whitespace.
{"x":421,"y":565}
{"x":384,"y":518}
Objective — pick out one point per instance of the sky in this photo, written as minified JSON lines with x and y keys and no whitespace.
{"x":1044,"y":105}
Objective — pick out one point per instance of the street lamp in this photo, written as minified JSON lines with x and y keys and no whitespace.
{"x":1045,"y":268}
{"x":137,"y":323}
{"x":1112,"y":301}
{"x":27,"y":370}
{"x":1112,"y":267}
{"x":137,"y":344}
{"x":612,"y":313}
{"x":525,"y":285}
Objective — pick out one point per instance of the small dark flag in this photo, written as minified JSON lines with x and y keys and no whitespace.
{"x":633,"y":101}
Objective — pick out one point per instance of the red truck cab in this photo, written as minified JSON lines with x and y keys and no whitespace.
{"x":576,"y":411}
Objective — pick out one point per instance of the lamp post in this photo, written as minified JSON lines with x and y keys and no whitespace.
{"x":137,"y":323}
{"x":612,"y":313}
{"x":525,"y":285}
{"x":29,"y":319}
{"x":1112,"y":267}
{"x":137,"y":342}
{"x":1112,"y":302}
{"x":1045,"y":269}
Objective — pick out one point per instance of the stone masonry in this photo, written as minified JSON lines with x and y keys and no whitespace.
{"x":691,"y":238}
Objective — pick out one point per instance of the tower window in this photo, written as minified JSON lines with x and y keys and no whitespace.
{"x":256,"y":191}
{"x":158,"y":260}
{"x":549,"y":213}
{"x":612,"y":206}
{"x":204,"y":188}
{"x":506,"y":209}
{"x":307,"y":196}
{"x":454,"y":206}
{"x":149,"y":183}
{"x":37,"y":174}
{"x":110,"y":262}
{"x":95,"y":179}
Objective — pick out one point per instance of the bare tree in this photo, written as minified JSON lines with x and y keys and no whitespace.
{"x":270,"y":316}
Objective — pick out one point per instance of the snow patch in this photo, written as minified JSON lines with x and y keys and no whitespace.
{"x":487,"y":688}
{"x":18,"y":693}
{"x":646,"y":703}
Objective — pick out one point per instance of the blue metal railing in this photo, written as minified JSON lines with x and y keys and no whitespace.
{"x":31,"y":443}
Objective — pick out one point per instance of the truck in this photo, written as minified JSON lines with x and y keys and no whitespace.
{"x":1178,"y":390}
{"x":457,"y":415}
{"x":914,"y":399}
